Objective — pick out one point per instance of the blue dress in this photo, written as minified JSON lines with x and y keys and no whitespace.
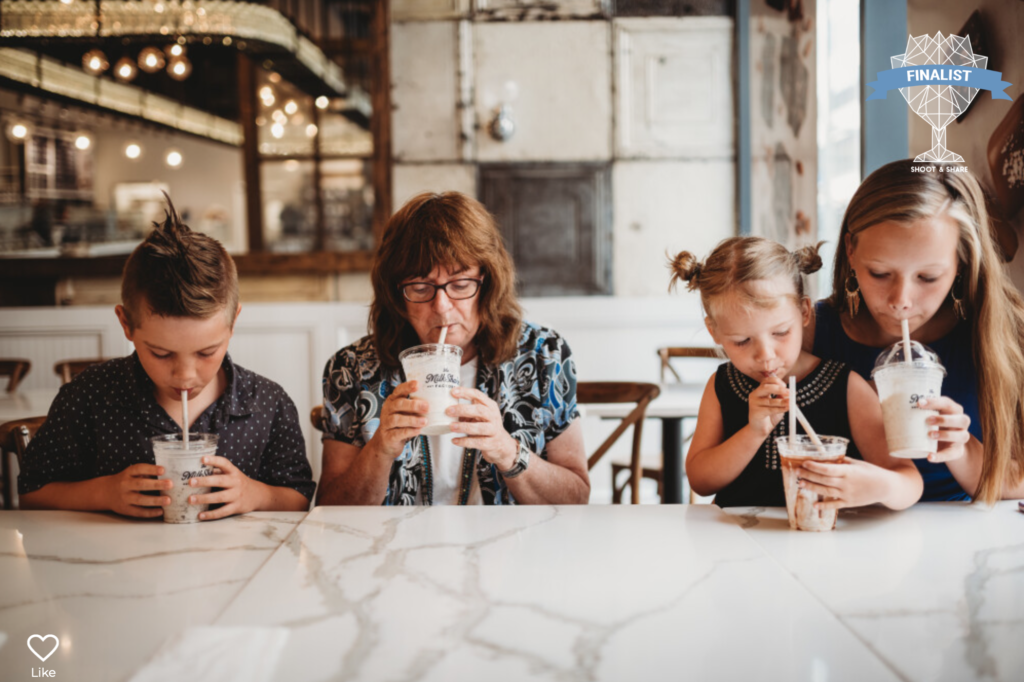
{"x":955,"y":350}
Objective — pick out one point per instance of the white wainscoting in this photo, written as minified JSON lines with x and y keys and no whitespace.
{"x":612,"y":339}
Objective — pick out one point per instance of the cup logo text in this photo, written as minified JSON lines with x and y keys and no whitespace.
{"x":441,"y":380}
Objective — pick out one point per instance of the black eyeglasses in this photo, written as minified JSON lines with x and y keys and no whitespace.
{"x":457,"y":290}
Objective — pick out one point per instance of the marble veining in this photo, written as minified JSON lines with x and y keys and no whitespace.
{"x":539,"y":593}
{"x":937,"y":591}
{"x":113,"y":589}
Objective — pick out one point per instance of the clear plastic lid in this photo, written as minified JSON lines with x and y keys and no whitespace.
{"x":921,"y":357}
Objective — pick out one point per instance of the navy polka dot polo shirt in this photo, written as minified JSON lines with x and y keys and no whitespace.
{"x":101,"y":423}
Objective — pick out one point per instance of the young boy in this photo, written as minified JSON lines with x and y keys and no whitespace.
{"x":179,"y":296}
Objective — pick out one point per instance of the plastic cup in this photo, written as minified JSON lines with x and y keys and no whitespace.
{"x":900,"y":386}
{"x":180,"y":465}
{"x":436,"y":368}
{"x":799,"y":501}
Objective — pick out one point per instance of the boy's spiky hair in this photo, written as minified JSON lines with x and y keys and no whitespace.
{"x":176,"y":272}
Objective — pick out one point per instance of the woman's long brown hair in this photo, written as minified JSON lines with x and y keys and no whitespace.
{"x":457,"y":232}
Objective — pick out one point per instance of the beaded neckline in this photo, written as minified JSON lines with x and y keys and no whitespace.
{"x":808,"y":391}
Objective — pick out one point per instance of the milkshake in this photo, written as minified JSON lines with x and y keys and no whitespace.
{"x":901,"y":385}
{"x":435,"y":367}
{"x":180,"y":465}
{"x":800,"y":501}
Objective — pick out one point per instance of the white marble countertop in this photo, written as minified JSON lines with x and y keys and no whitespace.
{"x":937,"y":591}
{"x":530,"y":593}
{"x":113,"y":589}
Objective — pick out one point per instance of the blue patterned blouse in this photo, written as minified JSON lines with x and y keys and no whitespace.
{"x":535,"y":391}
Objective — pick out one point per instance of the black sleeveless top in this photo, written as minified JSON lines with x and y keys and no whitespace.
{"x":821,"y":396}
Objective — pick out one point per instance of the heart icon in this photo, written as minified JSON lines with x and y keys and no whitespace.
{"x":56,"y":643}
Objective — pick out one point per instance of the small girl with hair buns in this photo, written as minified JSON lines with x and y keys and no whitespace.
{"x":752,"y":293}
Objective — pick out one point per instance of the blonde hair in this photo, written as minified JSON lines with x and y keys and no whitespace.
{"x":176,"y":272}
{"x":993,"y":306}
{"x":739,"y":260}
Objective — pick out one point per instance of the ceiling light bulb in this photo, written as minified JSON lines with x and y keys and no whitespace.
{"x":95,"y":62}
{"x":151,"y":59}
{"x":179,"y":68}
{"x":311,"y":130}
{"x":83,"y":142}
{"x":19,"y":131}
{"x":133,"y":150}
{"x":277,"y":130}
{"x":322,"y":102}
{"x":125,"y":69}
{"x":173,"y":158}
{"x":291,"y":107}
{"x":175,"y":50}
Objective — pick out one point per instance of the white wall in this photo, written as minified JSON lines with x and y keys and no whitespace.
{"x":612,"y":338}
{"x":652,"y":96}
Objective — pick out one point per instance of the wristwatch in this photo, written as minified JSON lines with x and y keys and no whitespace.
{"x":522,"y":461}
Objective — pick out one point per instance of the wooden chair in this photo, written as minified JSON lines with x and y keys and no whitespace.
{"x":666,"y":355}
{"x":14,"y":437}
{"x":620,"y":392}
{"x":69,"y":369}
{"x":652,"y":469}
{"x":15,"y":369}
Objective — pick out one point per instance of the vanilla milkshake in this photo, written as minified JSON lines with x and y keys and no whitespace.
{"x":435,"y":367}
{"x":180,"y":465}
{"x":901,"y":385}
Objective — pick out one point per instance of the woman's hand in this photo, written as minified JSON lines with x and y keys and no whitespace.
{"x":484,"y":428}
{"x":401,"y":419}
{"x":852,"y":484}
{"x":768,"y":403}
{"x":950,"y":428}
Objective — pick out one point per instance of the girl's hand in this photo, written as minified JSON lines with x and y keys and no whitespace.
{"x":485,"y":430}
{"x":768,"y":403}
{"x":401,"y":419}
{"x":851,"y":484}
{"x":239,"y":494}
{"x":950,"y":428}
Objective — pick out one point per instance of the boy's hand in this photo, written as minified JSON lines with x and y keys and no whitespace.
{"x":239,"y":494}
{"x":768,"y":403}
{"x":126,"y":498}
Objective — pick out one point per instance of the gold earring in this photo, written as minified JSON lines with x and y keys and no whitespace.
{"x":852,"y":295}
{"x":958,"y":303}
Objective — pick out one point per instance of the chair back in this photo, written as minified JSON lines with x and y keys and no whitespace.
{"x":15,"y":370}
{"x":14,"y":437}
{"x":316,"y":416}
{"x":69,"y":369}
{"x":666,"y":355}
{"x":620,"y":392}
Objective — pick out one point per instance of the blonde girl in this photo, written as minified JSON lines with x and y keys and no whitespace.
{"x":753,"y":297}
{"x":916,"y":243}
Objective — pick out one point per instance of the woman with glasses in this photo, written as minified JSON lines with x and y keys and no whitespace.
{"x":516,"y":439}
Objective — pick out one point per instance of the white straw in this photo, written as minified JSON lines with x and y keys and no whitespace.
{"x":184,"y":418}
{"x":792,"y":410}
{"x":907,"y":358}
{"x":810,"y":431}
{"x":444,"y":333}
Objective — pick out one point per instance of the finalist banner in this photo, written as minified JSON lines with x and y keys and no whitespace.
{"x":935,"y":74}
